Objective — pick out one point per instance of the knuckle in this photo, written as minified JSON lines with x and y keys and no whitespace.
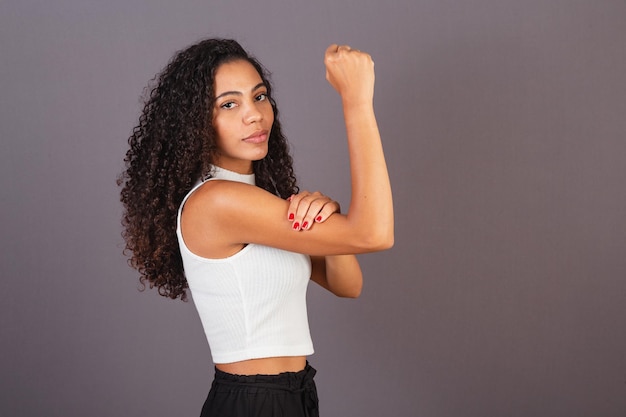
{"x":309,"y":199}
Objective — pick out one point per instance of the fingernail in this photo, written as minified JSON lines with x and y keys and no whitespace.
{"x":318,"y":219}
{"x":305,"y":224}
{"x":296,"y":226}
{"x":291,"y":216}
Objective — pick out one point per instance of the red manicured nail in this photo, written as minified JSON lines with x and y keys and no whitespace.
{"x":296,"y":226}
{"x":318,"y":219}
{"x":305,"y":224}
{"x":291,"y":216}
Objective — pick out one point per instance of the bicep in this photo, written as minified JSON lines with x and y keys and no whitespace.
{"x":241,"y":213}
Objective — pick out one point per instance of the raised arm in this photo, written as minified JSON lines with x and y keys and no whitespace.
{"x":351,"y":73}
{"x":222,"y":215}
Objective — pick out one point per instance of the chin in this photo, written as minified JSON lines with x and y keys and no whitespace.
{"x":260,"y":156}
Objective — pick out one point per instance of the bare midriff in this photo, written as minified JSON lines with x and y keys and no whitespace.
{"x":264,"y":366}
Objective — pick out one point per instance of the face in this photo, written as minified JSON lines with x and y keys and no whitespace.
{"x":242,"y":116}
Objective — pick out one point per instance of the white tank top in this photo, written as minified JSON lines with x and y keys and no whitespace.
{"x":251,"y":304}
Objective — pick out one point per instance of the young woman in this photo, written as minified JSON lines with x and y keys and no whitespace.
{"x":211,"y":204}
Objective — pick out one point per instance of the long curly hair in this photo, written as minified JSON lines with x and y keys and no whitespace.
{"x":172,"y":147}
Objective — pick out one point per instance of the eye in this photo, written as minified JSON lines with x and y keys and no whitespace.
{"x":228,"y":105}
{"x":261,"y":97}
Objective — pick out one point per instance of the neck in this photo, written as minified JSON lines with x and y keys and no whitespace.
{"x":240,"y":167}
{"x":226,"y":174}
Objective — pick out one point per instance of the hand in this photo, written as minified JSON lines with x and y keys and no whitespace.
{"x":350,"y":72}
{"x":306,"y":208}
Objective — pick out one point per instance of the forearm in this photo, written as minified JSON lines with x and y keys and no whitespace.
{"x":339,"y":274}
{"x":371,"y":204}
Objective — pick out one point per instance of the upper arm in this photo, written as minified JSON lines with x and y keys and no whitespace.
{"x":232,"y":213}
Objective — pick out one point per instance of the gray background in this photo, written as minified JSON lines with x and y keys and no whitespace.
{"x":504,"y":125}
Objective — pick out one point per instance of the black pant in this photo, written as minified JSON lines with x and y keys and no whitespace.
{"x":290,"y":394}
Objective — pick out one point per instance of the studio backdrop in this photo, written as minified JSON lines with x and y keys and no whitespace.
{"x":504,"y":128}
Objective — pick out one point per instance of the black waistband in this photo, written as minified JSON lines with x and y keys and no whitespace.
{"x":290,"y":381}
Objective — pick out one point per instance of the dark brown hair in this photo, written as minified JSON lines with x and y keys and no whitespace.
{"x":172,"y":147}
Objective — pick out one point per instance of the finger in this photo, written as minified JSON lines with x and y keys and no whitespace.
{"x":328,"y":210}
{"x":327,"y":207}
{"x":298,"y":207}
{"x":334,"y":51}
{"x":294,"y":202}
{"x":313,"y":211}
{"x":308,"y":207}
{"x":330,"y":52}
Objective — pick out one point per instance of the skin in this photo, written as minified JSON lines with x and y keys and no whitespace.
{"x":222,"y":216}
{"x":242,"y":116}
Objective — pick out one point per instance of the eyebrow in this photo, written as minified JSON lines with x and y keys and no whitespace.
{"x":238,"y":93}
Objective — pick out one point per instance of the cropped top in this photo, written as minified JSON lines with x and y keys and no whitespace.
{"x":251,"y":304}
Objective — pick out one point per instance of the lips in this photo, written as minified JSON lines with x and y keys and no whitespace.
{"x":259,"y":136}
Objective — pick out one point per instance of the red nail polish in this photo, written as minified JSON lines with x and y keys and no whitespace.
{"x":305,"y":224}
{"x":318,"y":219}
{"x":296,"y":226}
{"x":291,"y":216}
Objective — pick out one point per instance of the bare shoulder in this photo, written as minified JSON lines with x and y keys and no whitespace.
{"x":222,"y":198}
{"x":202,"y":222}
{"x":210,"y":193}
{"x":217,"y":217}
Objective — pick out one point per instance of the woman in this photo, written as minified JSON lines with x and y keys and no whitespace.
{"x":211,"y":204}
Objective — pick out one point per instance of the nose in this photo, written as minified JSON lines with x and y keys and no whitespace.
{"x":252,"y":114}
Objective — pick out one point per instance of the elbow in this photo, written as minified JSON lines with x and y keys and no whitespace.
{"x":351,"y":296}
{"x":353,"y":292}
{"x":381,"y":236}
{"x":377,"y":240}
{"x":387,"y":241}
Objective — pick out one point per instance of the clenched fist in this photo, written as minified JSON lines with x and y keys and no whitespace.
{"x":351,"y":73}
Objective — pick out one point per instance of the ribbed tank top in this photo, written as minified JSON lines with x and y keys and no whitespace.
{"x":251,"y":304}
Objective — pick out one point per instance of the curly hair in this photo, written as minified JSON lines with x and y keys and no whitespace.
{"x":172,"y":147}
